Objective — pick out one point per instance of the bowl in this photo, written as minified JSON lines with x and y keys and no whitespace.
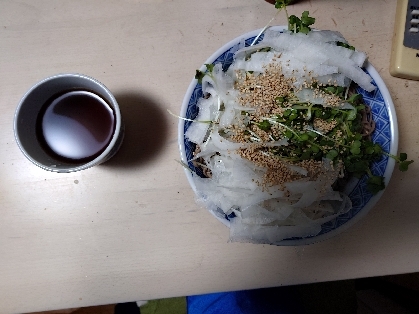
{"x":385,"y":134}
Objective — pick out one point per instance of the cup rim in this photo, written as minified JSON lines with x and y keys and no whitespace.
{"x":99,"y":159}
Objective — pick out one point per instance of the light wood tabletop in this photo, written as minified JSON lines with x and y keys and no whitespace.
{"x":130,"y":229}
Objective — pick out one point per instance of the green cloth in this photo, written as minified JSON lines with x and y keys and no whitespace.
{"x":165,"y":306}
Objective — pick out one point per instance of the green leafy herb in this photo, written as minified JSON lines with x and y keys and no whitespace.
{"x":282,"y":4}
{"x":264,"y":125}
{"x":401,"y":160}
{"x":210,"y":67}
{"x":294,"y":23}
{"x":344,"y":143}
{"x":354,"y":98}
{"x":356,"y":148}
{"x":332,"y":154}
{"x":375,"y":184}
{"x":280,"y":100}
{"x":345,"y":45}
{"x":301,"y":25}
{"x":199,"y":75}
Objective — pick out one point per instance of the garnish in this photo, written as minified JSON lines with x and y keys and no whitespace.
{"x":199,"y":75}
{"x":301,"y":25}
{"x":401,"y":160}
{"x":345,"y":45}
{"x":282,"y":4}
{"x":332,"y":133}
{"x":295,"y":24}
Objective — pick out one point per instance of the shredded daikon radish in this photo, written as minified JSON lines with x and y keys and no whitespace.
{"x":273,"y":197}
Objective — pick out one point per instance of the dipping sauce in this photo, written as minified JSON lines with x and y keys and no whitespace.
{"x":75,"y":126}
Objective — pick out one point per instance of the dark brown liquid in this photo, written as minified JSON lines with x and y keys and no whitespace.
{"x":76,"y":126}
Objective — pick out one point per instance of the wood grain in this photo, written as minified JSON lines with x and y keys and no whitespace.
{"x":130,"y":229}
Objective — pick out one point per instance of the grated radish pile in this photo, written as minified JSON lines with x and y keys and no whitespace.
{"x":291,"y":199}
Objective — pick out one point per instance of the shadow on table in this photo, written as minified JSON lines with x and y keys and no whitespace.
{"x":145,"y":130}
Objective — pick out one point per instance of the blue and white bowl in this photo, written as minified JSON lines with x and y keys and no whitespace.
{"x":386,"y":134}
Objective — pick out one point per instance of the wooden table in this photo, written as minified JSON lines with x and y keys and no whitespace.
{"x":130,"y":229}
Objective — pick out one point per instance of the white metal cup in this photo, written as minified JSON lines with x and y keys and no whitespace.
{"x":26,"y":115}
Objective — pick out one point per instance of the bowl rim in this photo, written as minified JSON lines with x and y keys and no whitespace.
{"x":394,"y":136}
